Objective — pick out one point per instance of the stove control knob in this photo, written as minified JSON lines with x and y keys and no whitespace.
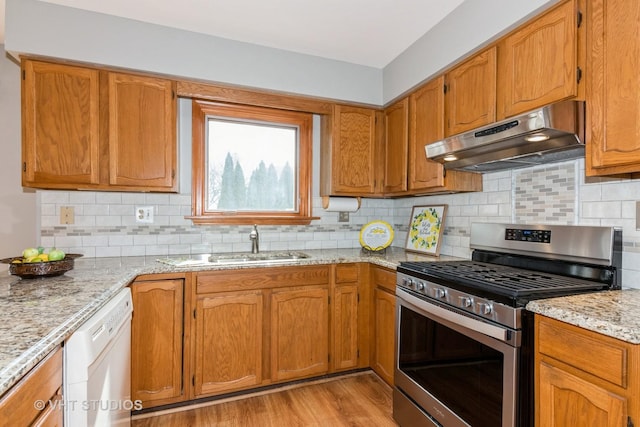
{"x":466,"y":302}
{"x":439,"y":292}
{"x":408,"y":282}
{"x":486,"y":308}
{"x":420,"y":286}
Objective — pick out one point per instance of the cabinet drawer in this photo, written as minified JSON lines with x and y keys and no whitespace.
{"x":17,"y":407}
{"x":598,"y":355}
{"x":261,"y":278}
{"x":347,"y":273}
{"x":384,"y":278}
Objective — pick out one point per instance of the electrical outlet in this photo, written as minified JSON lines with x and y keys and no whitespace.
{"x":343,"y":216}
{"x":67,"y":215}
{"x":144,"y":214}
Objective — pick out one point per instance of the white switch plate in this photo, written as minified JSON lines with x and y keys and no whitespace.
{"x":144,"y":214}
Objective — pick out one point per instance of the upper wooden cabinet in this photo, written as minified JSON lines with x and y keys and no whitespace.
{"x":142,"y":131}
{"x":426,"y":125}
{"x":349,"y":153}
{"x":538,"y":63}
{"x":60,"y":126}
{"x":613,"y":90}
{"x":396,"y":132}
{"x":470,"y":99}
{"x":90,"y":129}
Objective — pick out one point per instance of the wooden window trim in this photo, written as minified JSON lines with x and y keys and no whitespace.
{"x":199,"y":214}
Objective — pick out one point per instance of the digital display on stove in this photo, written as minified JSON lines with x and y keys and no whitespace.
{"x":535,"y":236}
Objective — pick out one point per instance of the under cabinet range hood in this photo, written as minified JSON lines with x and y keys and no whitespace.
{"x":550,"y":134}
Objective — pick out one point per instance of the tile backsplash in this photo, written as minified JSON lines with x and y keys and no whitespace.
{"x":553,"y":194}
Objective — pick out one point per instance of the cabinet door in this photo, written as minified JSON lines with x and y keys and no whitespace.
{"x":156,"y":341}
{"x":538,"y":63}
{"x":353,"y":148}
{"x":228,"y":348}
{"x":345,"y":327}
{"x":613,"y":90}
{"x":142,"y":132}
{"x":60,"y":109}
{"x":299,"y":332}
{"x":426,"y":125}
{"x":385,"y":315}
{"x":566,"y":400}
{"x":396,"y":121}
{"x":470,"y":100}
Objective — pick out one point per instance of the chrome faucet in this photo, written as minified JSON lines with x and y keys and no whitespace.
{"x":255,"y":240}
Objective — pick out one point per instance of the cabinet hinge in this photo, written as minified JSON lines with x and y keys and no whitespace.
{"x":24,"y":75}
{"x":579,"y":18}
{"x":444,"y":89}
{"x":578,"y":74}
{"x":194,"y":313}
{"x":329,"y":298}
{"x":358,"y":353}
{"x":24,"y":166}
{"x":629,"y":422}
{"x":193,"y":380}
{"x":173,"y":174}
{"x":173,"y":94}
{"x":358,"y":297}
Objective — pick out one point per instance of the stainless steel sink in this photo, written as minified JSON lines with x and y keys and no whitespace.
{"x":234,"y":258}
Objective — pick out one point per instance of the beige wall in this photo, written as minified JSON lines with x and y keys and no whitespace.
{"x":18,"y":223}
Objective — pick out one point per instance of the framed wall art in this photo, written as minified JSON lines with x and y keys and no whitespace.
{"x":425,"y":229}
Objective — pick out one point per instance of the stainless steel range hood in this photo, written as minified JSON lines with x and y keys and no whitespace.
{"x":549,"y":134}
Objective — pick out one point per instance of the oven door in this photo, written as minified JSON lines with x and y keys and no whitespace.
{"x":451,"y":368}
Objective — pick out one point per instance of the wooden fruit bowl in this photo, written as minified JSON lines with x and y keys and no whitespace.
{"x":32,"y":270}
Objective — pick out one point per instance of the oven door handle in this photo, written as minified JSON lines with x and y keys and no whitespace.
{"x":493,"y":331}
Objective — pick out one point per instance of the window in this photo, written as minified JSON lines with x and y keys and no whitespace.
{"x":251,"y":165}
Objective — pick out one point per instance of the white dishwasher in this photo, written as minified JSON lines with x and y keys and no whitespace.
{"x":97,"y":368}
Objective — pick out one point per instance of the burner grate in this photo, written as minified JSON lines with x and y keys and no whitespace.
{"x":502,"y":280}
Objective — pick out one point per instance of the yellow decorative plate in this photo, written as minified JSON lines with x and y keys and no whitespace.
{"x":376,"y":235}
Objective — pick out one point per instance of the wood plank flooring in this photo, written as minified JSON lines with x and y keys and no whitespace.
{"x":356,"y":400}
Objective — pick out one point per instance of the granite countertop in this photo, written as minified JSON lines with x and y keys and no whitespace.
{"x":37,"y":315}
{"x":612,"y":313}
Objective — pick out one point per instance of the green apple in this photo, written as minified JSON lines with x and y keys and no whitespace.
{"x":56,"y":254}
{"x":29,"y":252}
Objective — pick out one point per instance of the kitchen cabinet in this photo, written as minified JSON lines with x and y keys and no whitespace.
{"x":228,"y":345}
{"x":426,"y":125}
{"x":299,"y":332}
{"x":383,"y":284}
{"x":347,"y":334}
{"x":538,"y":63}
{"x":396,"y":131}
{"x":584,"y":378}
{"x":613,"y":88}
{"x":260,"y":326}
{"x":42,"y":384}
{"x":85,"y":128}
{"x":470,"y":98}
{"x":157,"y":341}
{"x":350,"y":152}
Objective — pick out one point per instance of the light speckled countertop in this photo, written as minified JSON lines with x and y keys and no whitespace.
{"x":612,"y":313}
{"x":37,"y":315}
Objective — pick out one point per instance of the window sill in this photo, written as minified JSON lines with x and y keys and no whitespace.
{"x":250,"y":220}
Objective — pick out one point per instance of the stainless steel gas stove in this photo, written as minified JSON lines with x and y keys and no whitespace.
{"x":464,"y":348}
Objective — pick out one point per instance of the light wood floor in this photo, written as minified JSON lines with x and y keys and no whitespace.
{"x":356,"y":400}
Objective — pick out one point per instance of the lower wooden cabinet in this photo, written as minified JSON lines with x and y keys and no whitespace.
{"x":43,"y":383}
{"x":228,"y":342}
{"x":584,"y":378}
{"x":157,"y":341}
{"x":383,"y":283}
{"x":299,"y":332}
{"x":349,"y":322}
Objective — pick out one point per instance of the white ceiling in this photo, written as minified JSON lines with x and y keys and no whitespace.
{"x":366,"y":32}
